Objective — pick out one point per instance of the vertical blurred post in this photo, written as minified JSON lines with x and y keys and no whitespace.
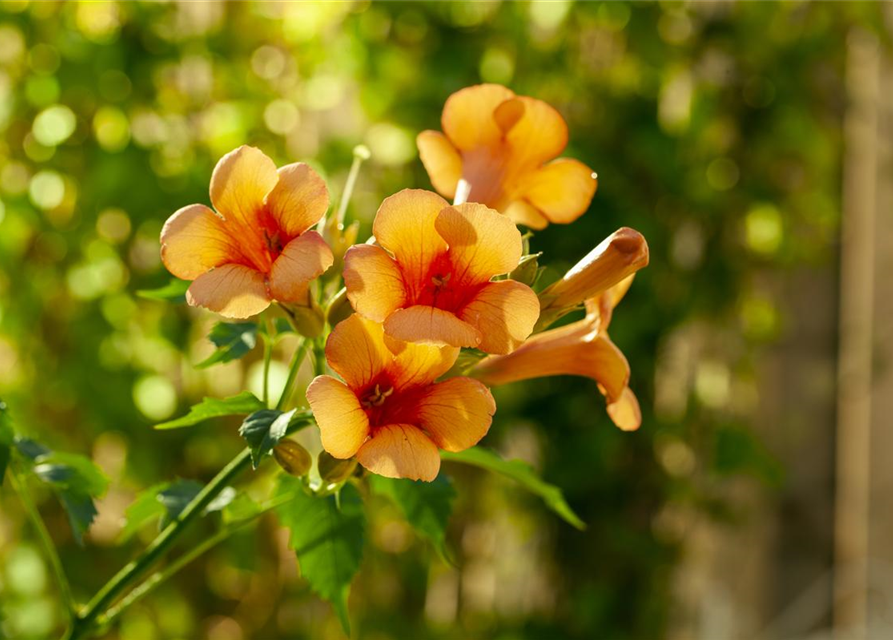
{"x":860,"y":174}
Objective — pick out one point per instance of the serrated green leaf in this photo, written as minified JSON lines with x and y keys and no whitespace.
{"x":327,"y":535}
{"x":523,"y":474}
{"x":81,"y":512}
{"x":173,"y":291}
{"x":242,"y":404}
{"x":7,"y":437}
{"x":74,"y":478}
{"x":262,"y":430}
{"x":427,"y":506}
{"x":175,"y":497}
{"x":232,"y":339}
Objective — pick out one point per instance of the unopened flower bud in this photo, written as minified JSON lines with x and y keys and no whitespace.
{"x":332,"y":470}
{"x":293,"y":458}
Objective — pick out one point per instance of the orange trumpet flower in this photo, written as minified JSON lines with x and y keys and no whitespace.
{"x":430,"y":280}
{"x":581,"y":348}
{"x":388,"y":412}
{"x":619,"y":255}
{"x":257,"y":246}
{"x":501,"y":145}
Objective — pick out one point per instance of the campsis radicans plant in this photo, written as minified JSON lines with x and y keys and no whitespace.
{"x":407,"y":333}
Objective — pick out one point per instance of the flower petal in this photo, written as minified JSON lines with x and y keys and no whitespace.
{"x":233,"y":291}
{"x":430,"y":325}
{"x":417,"y":364}
{"x":303,"y":259}
{"x":299,"y":199}
{"x":540,"y":134}
{"x":374,"y":282}
{"x":357,"y":352}
{"x":576,"y":349}
{"x":195,"y":240}
{"x":239,"y":184}
{"x":468,"y":115}
{"x":561,"y":190}
{"x":625,"y":411}
{"x":522,"y":212}
{"x":505,"y":313}
{"x":343,"y":424}
{"x":483,"y":242}
{"x":400,"y":451}
{"x":456,"y":413}
{"x":404,"y":225}
{"x":441,"y":160}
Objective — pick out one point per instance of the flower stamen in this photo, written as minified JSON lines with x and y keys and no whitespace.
{"x":377,"y":398}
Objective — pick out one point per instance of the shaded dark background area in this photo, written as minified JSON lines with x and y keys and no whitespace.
{"x":724,"y":132}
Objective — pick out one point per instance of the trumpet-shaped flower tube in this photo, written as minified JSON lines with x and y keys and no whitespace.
{"x":388,"y":411}
{"x":503,"y":146}
{"x":430,"y":280}
{"x":582,"y":348}
{"x":618,"y":256}
{"x":256,"y":247}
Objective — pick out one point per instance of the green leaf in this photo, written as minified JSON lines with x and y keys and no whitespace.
{"x":73,"y":472}
{"x":523,"y":474}
{"x":242,"y":404}
{"x":175,"y":497}
{"x":164,"y":502}
{"x":143,"y":510}
{"x":232,"y":339}
{"x":262,"y":430}
{"x":240,"y":508}
{"x":173,"y":291}
{"x":7,"y":437}
{"x":74,"y":478}
{"x":327,"y":535}
{"x":425,"y":505}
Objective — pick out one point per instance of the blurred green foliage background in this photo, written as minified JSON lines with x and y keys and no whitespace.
{"x":715,"y":131}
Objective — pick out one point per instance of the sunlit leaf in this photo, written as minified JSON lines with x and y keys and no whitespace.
{"x":242,"y":404}
{"x":327,"y":535}
{"x":232,"y":339}
{"x":523,"y":474}
{"x":262,"y":430}
{"x":173,"y":291}
{"x":146,"y":508}
{"x":425,"y":505}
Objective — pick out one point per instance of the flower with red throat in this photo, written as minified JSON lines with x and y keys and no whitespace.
{"x":504,"y":147}
{"x":430,"y":278}
{"x":257,"y":246}
{"x":581,"y":348}
{"x":389,"y":412}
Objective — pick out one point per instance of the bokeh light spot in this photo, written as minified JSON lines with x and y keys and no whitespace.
{"x":54,"y":125}
{"x":155,"y":397}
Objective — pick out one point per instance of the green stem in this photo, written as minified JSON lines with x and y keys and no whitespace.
{"x":360,"y":153}
{"x":268,"y":356}
{"x":46,"y":541}
{"x":160,"y":577}
{"x":319,"y":357}
{"x":113,"y":588}
{"x":296,"y":361}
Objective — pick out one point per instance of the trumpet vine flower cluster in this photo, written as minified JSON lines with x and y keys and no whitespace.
{"x":408,"y":332}
{"x":435,"y":278}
